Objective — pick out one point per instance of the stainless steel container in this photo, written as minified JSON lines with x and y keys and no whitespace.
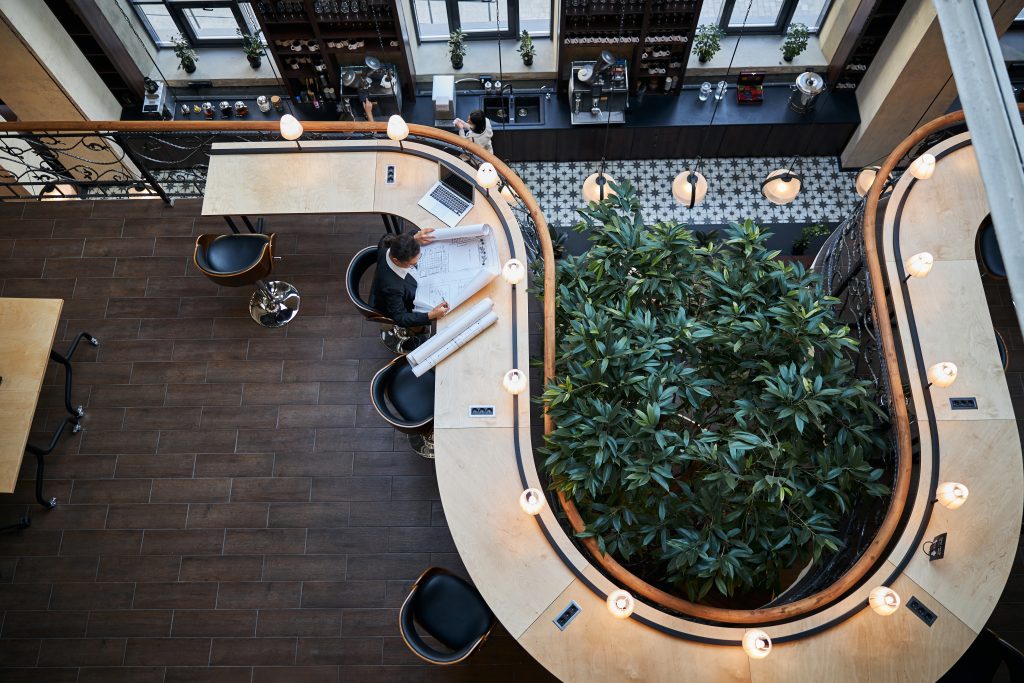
{"x":806,"y":90}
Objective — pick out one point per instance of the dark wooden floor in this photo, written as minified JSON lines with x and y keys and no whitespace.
{"x":233,"y":510}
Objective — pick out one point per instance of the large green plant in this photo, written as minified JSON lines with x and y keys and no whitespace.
{"x":708,"y":424}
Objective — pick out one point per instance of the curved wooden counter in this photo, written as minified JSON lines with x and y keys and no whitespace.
{"x":527,"y":568}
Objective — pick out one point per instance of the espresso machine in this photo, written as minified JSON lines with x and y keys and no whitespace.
{"x":599,"y":91}
{"x":373,"y":80}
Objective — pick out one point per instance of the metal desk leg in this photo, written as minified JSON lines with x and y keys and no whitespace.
{"x":40,"y":452}
{"x":65,"y":360}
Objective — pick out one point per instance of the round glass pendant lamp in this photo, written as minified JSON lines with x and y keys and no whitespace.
{"x":756,"y":644}
{"x":398,"y":129}
{"x":919,"y":265}
{"x":487,"y":175}
{"x":865,"y":178}
{"x":689,"y":188}
{"x":621,"y":604}
{"x":942,"y":374}
{"x":593,"y":186}
{"x":514,"y":381}
{"x":781,"y":186}
{"x":923,"y":167}
{"x":513,"y":271}
{"x":531,"y":501}
{"x":951,"y":495}
{"x":291,"y":129}
{"x":884,"y":600}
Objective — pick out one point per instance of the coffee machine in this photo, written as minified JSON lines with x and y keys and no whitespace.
{"x":599,"y":91}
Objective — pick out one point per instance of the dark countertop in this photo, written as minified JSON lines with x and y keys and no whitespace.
{"x":656,"y":111}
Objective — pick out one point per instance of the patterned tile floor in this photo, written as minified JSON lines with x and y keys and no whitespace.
{"x":734,"y":192}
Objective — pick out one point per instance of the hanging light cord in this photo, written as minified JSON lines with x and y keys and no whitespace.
{"x":601,"y":180}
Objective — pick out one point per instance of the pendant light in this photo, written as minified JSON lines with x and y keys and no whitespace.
{"x":951,"y":495}
{"x":923,"y":167}
{"x":595,"y":187}
{"x":621,"y":604}
{"x":782,"y":186}
{"x":756,"y":643}
{"x":884,"y":600}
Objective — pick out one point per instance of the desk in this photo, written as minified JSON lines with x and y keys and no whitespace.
{"x":528,"y":570}
{"x":27,"y":331}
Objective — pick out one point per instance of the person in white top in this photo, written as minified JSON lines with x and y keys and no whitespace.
{"x":477,"y":129}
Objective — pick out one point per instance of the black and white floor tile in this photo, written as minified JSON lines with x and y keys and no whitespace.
{"x":734,"y":189}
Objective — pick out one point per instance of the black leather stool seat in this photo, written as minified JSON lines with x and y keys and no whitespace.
{"x":988,"y":250}
{"x":1001,"y":346}
{"x":233,"y":253}
{"x":451,"y":611}
{"x":412,"y":396}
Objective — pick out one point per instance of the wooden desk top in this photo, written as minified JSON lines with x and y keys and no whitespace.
{"x":528,"y":577}
{"x":27,"y":330}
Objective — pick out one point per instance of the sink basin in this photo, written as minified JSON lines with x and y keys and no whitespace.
{"x":514,"y":110}
{"x":497,"y":108}
{"x":528,"y":109}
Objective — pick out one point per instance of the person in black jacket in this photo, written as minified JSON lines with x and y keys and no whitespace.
{"x":394,"y":288}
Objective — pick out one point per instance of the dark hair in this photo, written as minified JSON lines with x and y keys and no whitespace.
{"x":478,"y":121}
{"x":403,"y":247}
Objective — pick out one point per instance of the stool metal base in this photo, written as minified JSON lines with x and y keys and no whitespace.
{"x":423,"y":444}
{"x":274,"y":305}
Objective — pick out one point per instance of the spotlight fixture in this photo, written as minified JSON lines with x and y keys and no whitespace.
{"x":782,"y":186}
{"x":595,"y":187}
{"x":531,"y":501}
{"x":689,"y":188}
{"x":919,"y":265}
{"x":923,"y":167}
{"x":884,"y":600}
{"x":756,"y":644}
{"x":951,"y":495}
{"x":621,"y":604}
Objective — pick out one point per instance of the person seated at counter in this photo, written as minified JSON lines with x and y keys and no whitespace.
{"x":477,"y":129}
{"x":394,"y":288}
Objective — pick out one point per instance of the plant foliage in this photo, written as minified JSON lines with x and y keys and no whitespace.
{"x":796,"y":40}
{"x":708,"y":41}
{"x":708,"y":421}
{"x":183,"y":50}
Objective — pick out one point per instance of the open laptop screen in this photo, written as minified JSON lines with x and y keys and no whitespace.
{"x":457,"y":184}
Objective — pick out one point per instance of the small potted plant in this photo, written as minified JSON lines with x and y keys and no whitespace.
{"x":252,"y":47}
{"x":708,"y":41}
{"x":186,"y":55}
{"x":526,"y":48}
{"x":457,"y":47}
{"x":795,"y":42}
{"x":808,"y":234}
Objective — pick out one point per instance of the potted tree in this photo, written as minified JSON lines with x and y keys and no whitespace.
{"x":457,"y":47}
{"x":795,"y":42}
{"x":708,"y":41}
{"x":252,"y":47}
{"x":186,"y":55}
{"x":526,"y":48}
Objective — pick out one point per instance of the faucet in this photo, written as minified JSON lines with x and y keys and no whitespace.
{"x":546,"y":89}
{"x":500,"y":90}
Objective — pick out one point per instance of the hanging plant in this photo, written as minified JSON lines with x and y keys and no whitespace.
{"x":526,"y":48}
{"x":795,"y":42}
{"x":186,"y":55}
{"x":252,"y":47}
{"x":710,"y":426}
{"x":457,"y":47}
{"x":708,"y":41}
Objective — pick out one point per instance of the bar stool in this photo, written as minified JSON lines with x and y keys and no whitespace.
{"x":989,"y":256}
{"x":450,"y":610}
{"x":396,"y":338}
{"x":237,"y":260}
{"x":406,"y":402}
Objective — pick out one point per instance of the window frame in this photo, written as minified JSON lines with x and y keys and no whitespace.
{"x":176,"y":9}
{"x":785,"y":17}
{"x":455,"y":23}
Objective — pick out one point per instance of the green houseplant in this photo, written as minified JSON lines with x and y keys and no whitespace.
{"x":708,"y":41}
{"x":809,"y":232}
{"x":795,"y":42}
{"x":526,"y":48}
{"x":709,"y":426}
{"x":457,"y":47}
{"x":186,"y":55}
{"x":252,"y":47}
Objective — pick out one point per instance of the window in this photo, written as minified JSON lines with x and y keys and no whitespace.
{"x":766,"y":16}
{"x":435,"y":19}
{"x":204,"y":23}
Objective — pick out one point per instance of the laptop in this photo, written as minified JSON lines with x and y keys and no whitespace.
{"x":450,"y":199}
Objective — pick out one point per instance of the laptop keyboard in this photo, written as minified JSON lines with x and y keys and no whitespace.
{"x":449,"y":199}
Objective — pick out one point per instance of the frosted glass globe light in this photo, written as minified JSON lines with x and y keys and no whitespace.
{"x":592,"y":189}
{"x":781,"y":186}
{"x":942,"y":374}
{"x":291,"y":129}
{"x":513,"y":271}
{"x":621,"y":604}
{"x":951,"y":495}
{"x":865,"y":178}
{"x":514,"y":381}
{"x":398,"y":129}
{"x":923,"y":167}
{"x":689,"y":188}
{"x":919,"y":265}
{"x":884,"y":600}
{"x":531,"y":501}
{"x":756,"y":644}
{"x":487,"y":175}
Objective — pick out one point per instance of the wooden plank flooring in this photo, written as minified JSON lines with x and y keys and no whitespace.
{"x":233,"y":510}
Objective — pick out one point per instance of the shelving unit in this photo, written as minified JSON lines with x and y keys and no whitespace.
{"x":875,"y":28}
{"x":655,"y":37}
{"x":310,"y":40}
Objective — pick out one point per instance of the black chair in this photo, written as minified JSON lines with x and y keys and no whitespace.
{"x":989,"y":255}
{"x":1004,"y":359}
{"x":406,"y":402}
{"x":397,"y":339}
{"x":240,"y":259}
{"x":983,"y":658}
{"x":450,"y":610}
